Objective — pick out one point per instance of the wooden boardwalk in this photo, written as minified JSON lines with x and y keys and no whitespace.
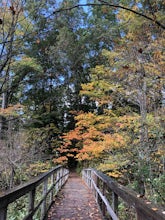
{"x":75,"y":202}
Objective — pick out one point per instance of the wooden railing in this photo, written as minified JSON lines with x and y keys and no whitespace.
{"x":48,"y":183}
{"x":111,"y":197}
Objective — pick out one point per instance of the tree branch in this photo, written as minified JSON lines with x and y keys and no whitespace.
{"x":102,"y":3}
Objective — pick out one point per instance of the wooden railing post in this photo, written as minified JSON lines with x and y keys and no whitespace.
{"x":3,"y":213}
{"x":57,"y":180}
{"x":103,"y":204}
{"x":31,"y":202}
{"x":88,"y":177}
{"x":52,"y":183}
{"x":96,"y":183}
{"x":61,"y":178}
{"x":115,"y":202}
{"x":93,"y":181}
{"x":66,"y":176}
{"x":43,"y":207}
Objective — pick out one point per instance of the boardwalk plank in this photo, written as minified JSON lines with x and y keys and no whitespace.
{"x":75,"y":202}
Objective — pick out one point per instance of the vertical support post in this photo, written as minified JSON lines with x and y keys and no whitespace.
{"x":91,"y":179}
{"x":84,"y":175}
{"x":87,"y":177}
{"x":96,"y":183}
{"x":57,"y":181}
{"x":60,"y":178}
{"x":31,"y":202}
{"x":115,"y":202}
{"x":43,"y":207}
{"x":64,"y":173}
{"x":99,"y":200}
{"x":52,"y":183}
{"x":103,"y":205}
{"x":67,"y":174}
{"x":3,"y":213}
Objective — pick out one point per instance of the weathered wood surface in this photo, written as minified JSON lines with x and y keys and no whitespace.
{"x":100,"y":183}
{"x":58,"y":176}
{"x":75,"y":201}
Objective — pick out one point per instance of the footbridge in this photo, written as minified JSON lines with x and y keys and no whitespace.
{"x":60,"y":194}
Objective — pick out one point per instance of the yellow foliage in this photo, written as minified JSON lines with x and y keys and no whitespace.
{"x":83,"y":156}
{"x":73,"y":134}
{"x":70,"y":155}
{"x":11,"y":110}
{"x":87,"y":87}
{"x":113,"y":141}
{"x":107,"y":166}
{"x":115,"y":174}
{"x":37,"y":168}
{"x":60,"y":160}
{"x":160,"y":152}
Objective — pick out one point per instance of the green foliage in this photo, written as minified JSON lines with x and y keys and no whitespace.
{"x":18,"y":209}
{"x":43,"y":138}
{"x":159,"y":186}
{"x":37,"y":168}
{"x":26,"y":65}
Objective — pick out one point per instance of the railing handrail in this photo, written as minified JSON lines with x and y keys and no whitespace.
{"x":144,"y":210}
{"x":12,"y":195}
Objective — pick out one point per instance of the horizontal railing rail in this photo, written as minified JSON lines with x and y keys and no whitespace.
{"x":50,"y":183}
{"x":108,"y":193}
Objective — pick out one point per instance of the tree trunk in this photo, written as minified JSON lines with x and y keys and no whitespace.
{"x":144,"y":154}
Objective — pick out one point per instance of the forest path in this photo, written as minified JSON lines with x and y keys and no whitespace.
{"x":75,"y":202}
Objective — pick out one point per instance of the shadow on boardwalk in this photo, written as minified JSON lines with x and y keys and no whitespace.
{"x":75,"y":202}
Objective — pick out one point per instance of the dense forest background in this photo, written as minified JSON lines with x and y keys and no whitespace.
{"x":83,"y":83}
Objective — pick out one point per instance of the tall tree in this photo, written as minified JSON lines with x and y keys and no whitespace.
{"x":128,"y":88}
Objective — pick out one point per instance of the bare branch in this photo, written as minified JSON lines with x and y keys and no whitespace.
{"x":102,"y":3}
